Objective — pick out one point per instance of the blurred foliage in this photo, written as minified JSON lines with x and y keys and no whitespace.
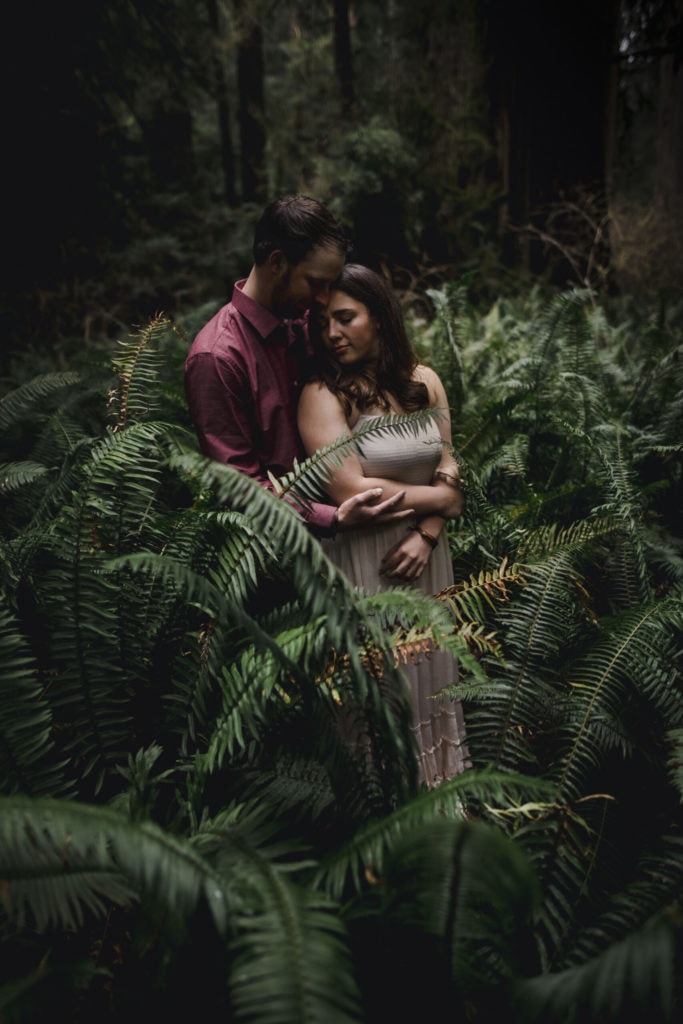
{"x":117,"y":202}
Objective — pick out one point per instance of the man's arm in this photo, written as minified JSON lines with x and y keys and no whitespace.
{"x":224,"y":423}
{"x":222,"y":415}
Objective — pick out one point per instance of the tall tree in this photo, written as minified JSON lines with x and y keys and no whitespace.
{"x":342,"y":55}
{"x":669,"y":153}
{"x":550,"y":75}
{"x":646,"y":202}
{"x":250,"y":75}
{"x":222,"y":102}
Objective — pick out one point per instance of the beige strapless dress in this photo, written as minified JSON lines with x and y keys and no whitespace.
{"x":438,"y":722}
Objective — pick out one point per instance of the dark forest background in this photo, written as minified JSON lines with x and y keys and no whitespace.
{"x":477,"y":137}
{"x":186,"y":833}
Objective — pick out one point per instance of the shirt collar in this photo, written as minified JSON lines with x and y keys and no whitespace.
{"x":258,"y":316}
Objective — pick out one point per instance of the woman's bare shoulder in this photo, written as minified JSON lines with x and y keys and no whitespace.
{"x":424,"y":373}
{"x":314,"y":385}
{"x":318,"y":393}
{"x":431,"y":380}
{"x":316,"y":399}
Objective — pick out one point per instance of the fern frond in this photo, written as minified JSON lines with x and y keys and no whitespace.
{"x":278,"y":529}
{"x":636,"y":974}
{"x":27,"y":762}
{"x":137,"y":396}
{"x":24,"y":400}
{"x":543,"y":540}
{"x":14,"y":475}
{"x":89,"y":644}
{"x":290,"y":953}
{"x":636,"y":649}
{"x":653,"y":890}
{"x":675,"y":760}
{"x":472,"y":600}
{"x":467,"y":884}
{"x":628,"y":564}
{"x":564,"y":318}
{"x":292,"y":960}
{"x":308,"y":479}
{"x":525,"y":698}
{"x":61,"y":859}
{"x":367,"y":850}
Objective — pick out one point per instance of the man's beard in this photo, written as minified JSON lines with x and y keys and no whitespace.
{"x":282,"y":304}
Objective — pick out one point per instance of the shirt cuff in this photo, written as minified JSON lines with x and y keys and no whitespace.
{"x":322,"y":519}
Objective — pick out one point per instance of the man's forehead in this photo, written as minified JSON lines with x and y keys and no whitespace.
{"x":324,"y":260}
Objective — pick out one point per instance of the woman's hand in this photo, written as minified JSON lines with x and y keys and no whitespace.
{"x":405,"y":561}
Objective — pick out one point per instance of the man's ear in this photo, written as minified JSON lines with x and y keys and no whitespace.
{"x":277,"y":262}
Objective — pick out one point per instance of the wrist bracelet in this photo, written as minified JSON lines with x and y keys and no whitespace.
{"x":433,"y":541}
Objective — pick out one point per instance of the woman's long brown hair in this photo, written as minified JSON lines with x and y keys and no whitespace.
{"x":397,"y":360}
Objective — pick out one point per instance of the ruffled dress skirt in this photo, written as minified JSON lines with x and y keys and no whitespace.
{"x":438,"y":721}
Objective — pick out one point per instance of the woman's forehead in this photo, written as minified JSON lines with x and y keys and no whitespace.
{"x":341,"y":300}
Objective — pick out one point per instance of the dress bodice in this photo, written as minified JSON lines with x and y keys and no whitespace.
{"x":409,"y":457}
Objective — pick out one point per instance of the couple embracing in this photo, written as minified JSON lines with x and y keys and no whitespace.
{"x":253,"y":409}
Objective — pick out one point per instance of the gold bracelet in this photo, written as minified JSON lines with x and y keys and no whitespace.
{"x":427,"y":536}
{"x":453,"y":481}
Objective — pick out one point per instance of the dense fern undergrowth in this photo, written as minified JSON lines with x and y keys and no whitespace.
{"x":183,"y":828}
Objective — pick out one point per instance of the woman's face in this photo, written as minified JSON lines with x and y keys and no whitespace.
{"x":349,"y":332}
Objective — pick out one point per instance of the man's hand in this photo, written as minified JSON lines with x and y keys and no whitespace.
{"x":405,"y":562}
{"x":366,"y":509}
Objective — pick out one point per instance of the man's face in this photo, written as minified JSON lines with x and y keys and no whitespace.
{"x":308,"y":283}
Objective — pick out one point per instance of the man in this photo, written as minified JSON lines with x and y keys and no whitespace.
{"x":243,"y":371}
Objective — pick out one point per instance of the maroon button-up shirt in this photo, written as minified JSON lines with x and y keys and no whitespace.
{"x":242,"y":382}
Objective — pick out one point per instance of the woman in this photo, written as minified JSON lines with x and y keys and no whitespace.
{"x":368,"y":369}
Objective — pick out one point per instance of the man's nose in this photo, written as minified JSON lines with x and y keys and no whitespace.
{"x":322,"y":295}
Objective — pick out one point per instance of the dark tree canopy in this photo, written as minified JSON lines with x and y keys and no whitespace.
{"x":143,"y":134}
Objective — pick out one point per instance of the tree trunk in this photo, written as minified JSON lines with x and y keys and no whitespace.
{"x":250,"y":73}
{"x":223,"y":105}
{"x":550,"y":81}
{"x":342,"y":55}
{"x":669,"y":151}
{"x":168,"y":139}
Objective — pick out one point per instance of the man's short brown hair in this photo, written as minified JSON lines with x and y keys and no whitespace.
{"x":296,"y":224}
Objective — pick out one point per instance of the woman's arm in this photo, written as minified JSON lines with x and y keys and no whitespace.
{"x":322,"y":421}
{"x":406,"y":560}
{"x":438,"y":400}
